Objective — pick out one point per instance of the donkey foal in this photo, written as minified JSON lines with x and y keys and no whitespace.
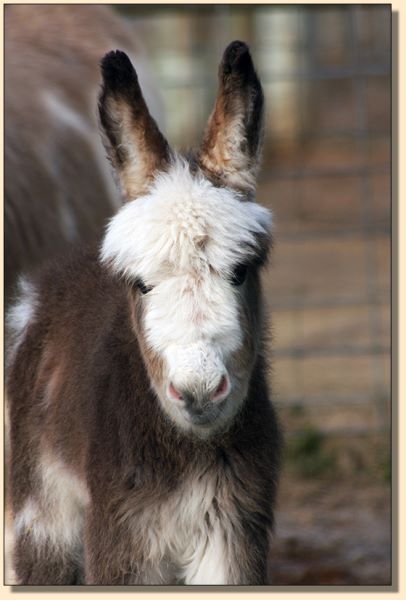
{"x":144,"y":446}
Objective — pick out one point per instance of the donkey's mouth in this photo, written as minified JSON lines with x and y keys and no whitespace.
{"x":203,"y":415}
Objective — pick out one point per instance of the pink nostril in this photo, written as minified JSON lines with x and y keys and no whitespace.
{"x":222,"y":388}
{"x":174,"y":393}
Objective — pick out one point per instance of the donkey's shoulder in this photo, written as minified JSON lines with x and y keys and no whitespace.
{"x":69,"y":288}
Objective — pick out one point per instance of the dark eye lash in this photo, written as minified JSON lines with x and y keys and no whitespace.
{"x":239,"y":274}
{"x":142,"y":287}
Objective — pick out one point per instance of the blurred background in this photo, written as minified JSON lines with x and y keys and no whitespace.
{"x":326,"y":74}
{"x":326,"y":175}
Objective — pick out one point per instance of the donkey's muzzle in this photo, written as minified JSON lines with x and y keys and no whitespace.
{"x":201,"y":406}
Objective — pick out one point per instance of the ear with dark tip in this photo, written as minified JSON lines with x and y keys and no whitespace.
{"x":232,"y":141}
{"x":135,"y":146}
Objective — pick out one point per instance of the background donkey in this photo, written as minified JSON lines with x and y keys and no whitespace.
{"x":144,"y":444}
{"x":57,"y":187}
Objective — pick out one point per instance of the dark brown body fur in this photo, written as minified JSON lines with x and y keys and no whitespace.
{"x":107,"y":426}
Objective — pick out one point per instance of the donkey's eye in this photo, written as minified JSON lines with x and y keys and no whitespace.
{"x":140,"y":285}
{"x":239,"y":274}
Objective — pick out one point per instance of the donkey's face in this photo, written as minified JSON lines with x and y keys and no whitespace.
{"x":190,"y":242}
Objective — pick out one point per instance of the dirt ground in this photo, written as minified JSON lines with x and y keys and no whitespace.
{"x":332,"y":533}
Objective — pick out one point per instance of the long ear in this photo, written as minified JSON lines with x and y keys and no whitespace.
{"x":232,"y":141}
{"x":136,"y":147}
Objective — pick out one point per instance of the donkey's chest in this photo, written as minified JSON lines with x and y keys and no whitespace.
{"x":179,"y":526}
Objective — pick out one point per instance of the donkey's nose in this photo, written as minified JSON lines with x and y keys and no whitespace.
{"x":222,"y":390}
{"x":174,"y":393}
{"x":184,"y":394}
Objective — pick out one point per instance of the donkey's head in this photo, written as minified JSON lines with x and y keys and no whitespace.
{"x":190,"y":240}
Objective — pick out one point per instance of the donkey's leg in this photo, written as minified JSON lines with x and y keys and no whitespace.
{"x":45,"y":563}
{"x":48,"y":519}
{"x":117,"y":551}
{"x":228,"y":555}
{"x":47,"y":550}
{"x":207,"y":562}
{"x":109,"y":555}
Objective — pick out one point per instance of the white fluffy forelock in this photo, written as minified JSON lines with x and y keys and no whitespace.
{"x":185,"y":224}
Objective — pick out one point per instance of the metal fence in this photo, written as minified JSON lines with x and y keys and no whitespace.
{"x":326,"y":175}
